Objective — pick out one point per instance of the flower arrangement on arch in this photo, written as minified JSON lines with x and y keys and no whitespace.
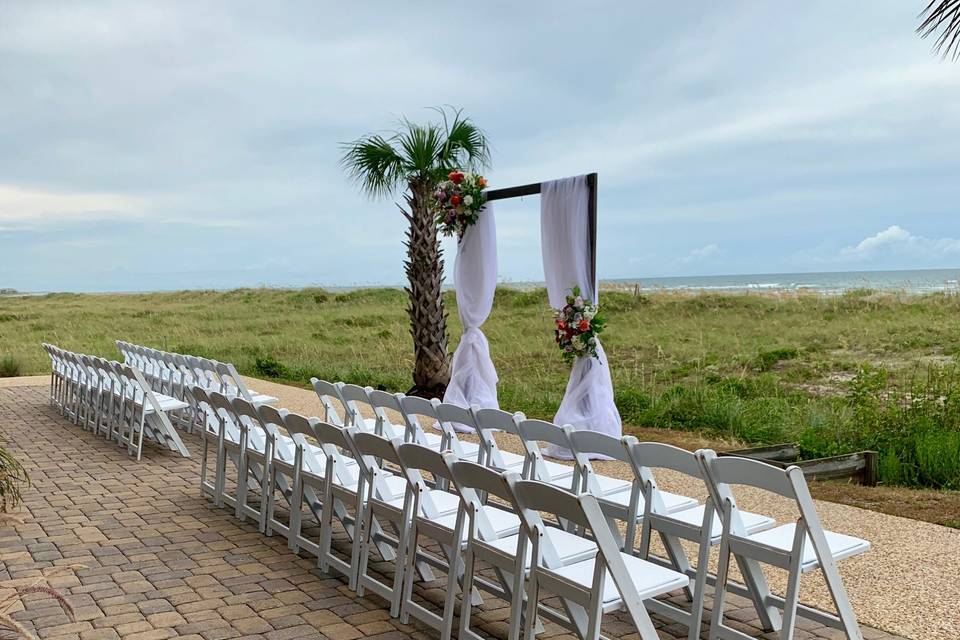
{"x":457,"y":202}
{"x":578,"y":324}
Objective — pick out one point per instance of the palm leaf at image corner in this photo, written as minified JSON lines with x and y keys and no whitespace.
{"x":942,"y":17}
{"x":12,"y":476}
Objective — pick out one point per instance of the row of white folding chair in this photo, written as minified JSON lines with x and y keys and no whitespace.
{"x":405,"y":505}
{"x":344,"y":404}
{"x":485,"y":423}
{"x":112,"y":399}
{"x":174,"y":373}
{"x":275,"y":446}
{"x":696,"y":523}
{"x":672,"y":517}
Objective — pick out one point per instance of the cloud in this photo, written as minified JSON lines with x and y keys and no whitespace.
{"x":897,"y":241}
{"x":703,"y":253}
{"x":213,"y":131}
{"x":31,"y":206}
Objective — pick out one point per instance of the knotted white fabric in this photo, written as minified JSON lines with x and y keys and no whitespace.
{"x":473,"y":379}
{"x":568,"y":262}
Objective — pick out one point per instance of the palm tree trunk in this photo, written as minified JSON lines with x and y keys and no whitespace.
{"x":428,"y":318}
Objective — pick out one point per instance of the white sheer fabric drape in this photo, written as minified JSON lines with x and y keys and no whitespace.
{"x":473,"y":379}
{"x":567,"y":262}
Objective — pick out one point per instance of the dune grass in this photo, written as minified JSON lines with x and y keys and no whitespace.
{"x":864,"y":370}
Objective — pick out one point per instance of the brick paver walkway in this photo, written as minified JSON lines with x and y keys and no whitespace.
{"x":160,"y":561}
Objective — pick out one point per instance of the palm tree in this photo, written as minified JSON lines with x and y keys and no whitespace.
{"x":942,"y":16}
{"x":416,"y":157}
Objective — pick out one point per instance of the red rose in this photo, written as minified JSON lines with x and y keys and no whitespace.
{"x":456,"y":177}
{"x":455,"y":200}
{"x":584,"y":325}
{"x":561,"y":324}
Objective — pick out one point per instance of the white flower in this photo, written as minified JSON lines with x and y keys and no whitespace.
{"x":468,"y":200}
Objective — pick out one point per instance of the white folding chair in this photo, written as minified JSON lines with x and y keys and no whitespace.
{"x":610,"y":581}
{"x":509,"y":555}
{"x":420,"y":411}
{"x":334,"y":407}
{"x":449,"y":531}
{"x":798,"y":547}
{"x":296,"y":472}
{"x":532,"y":433}
{"x":490,"y":422}
{"x":345,"y":488}
{"x":697,"y":523}
{"x":309,"y":481}
{"x":621,"y":499}
{"x":408,"y":431}
{"x":354,"y":399}
{"x":209,"y":421}
{"x":394,"y":511}
{"x":257,"y":443}
{"x":454,"y":419}
{"x":230,"y":446}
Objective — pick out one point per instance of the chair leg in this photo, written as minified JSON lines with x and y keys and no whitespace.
{"x":720,"y":590}
{"x":365,"y":540}
{"x":787,"y":631}
{"x":296,"y":514}
{"x":326,"y":530}
{"x":264,"y":490}
{"x":271,"y":499}
{"x":533,"y":597}
{"x":699,"y":585}
{"x":450,"y":599}
{"x":241,"y":502}
{"x":408,"y":571}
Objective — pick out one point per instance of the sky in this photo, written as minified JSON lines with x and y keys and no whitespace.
{"x":169,"y":145}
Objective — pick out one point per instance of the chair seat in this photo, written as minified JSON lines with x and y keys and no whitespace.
{"x":556,"y":470}
{"x":841,"y":546}
{"x":469,"y":450}
{"x":753,"y":522}
{"x":672,"y":501}
{"x":167,"y":403}
{"x":395,"y":487}
{"x":649,"y":579}
{"x":608,"y":485}
{"x":261,"y":398}
{"x":570,"y":547}
{"x":431,"y":440}
{"x":504,"y":523}
{"x":511,"y":461}
{"x":444,"y":501}
{"x":368,"y":424}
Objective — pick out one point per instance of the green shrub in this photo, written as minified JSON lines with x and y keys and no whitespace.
{"x":9,"y":367}
{"x":633,"y":404}
{"x":767,"y":359}
{"x":269,"y":367}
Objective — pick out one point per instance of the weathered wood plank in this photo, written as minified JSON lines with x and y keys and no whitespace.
{"x":861,"y":465}
{"x":783,"y":452}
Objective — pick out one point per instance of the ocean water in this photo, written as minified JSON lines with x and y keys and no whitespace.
{"x":835,"y":282}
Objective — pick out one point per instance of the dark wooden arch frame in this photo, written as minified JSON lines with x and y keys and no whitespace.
{"x":535,"y":188}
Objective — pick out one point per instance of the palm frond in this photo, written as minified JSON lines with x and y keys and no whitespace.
{"x":374,"y":164}
{"x":12,"y":475}
{"x":942,"y":16}
{"x":421,"y":145}
{"x":379,"y":164}
{"x":466,"y":145}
